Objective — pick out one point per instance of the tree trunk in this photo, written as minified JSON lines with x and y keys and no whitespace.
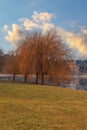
{"x":42,"y":78}
{"x":25,"y":78}
{"x":14,"y":74}
{"x":37,"y":75}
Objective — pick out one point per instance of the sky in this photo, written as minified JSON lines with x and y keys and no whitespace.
{"x":68,"y":17}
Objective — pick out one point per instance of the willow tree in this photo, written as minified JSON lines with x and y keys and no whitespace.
{"x":24,"y":57}
{"x":51,"y":56}
{"x":44,"y":55}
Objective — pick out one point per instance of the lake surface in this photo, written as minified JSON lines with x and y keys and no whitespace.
{"x":78,"y":82}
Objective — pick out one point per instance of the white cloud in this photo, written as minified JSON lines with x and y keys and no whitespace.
{"x":84,"y":30}
{"x":15,"y":35}
{"x":43,"y":22}
{"x":29,"y":24}
{"x":42,"y":17}
{"x":47,"y":27}
{"x":76,"y":41}
{"x":39,"y":21}
{"x":5,"y":28}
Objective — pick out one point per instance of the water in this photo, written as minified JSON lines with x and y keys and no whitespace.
{"x":77,"y":82}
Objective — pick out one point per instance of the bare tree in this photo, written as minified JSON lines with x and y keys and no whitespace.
{"x":10,"y":64}
{"x":24,"y":57}
{"x":50,"y":55}
{"x":44,"y":55}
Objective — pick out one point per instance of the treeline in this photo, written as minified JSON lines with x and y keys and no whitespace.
{"x":40,"y":55}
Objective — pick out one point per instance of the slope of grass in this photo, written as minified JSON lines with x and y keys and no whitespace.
{"x":36,"y":107}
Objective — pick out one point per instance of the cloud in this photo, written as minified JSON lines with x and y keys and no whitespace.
{"x":76,"y":41}
{"x":39,"y":21}
{"x":84,"y":30}
{"x":15,"y":35}
{"x":47,"y":27}
{"x":42,"y":17}
{"x":5,"y":28}
{"x":43,"y":21}
{"x":29,"y":24}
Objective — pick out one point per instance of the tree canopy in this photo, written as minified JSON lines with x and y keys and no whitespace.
{"x":43,"y":55}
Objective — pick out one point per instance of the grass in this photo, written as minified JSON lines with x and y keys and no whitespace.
{"x":38,"y":107}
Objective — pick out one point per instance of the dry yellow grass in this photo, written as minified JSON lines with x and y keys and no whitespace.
{"x":36,"y":107}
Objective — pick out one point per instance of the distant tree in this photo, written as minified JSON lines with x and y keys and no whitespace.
{"x":14,"y":64}
{"x":1,"y":52}
{"x":10,"y":64}
{"x":1,"y":59}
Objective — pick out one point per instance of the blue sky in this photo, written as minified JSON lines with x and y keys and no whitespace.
{"x":70,"y":16}
{"x":65,"y":10}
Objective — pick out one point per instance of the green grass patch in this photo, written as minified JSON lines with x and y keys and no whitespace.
{"x":38,"y":107}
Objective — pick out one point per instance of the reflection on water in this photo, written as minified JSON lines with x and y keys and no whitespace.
{"x":78,"y":82}
{"x":82,"y":83}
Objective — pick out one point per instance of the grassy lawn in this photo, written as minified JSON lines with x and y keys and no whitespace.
{"x":36,"y":107}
